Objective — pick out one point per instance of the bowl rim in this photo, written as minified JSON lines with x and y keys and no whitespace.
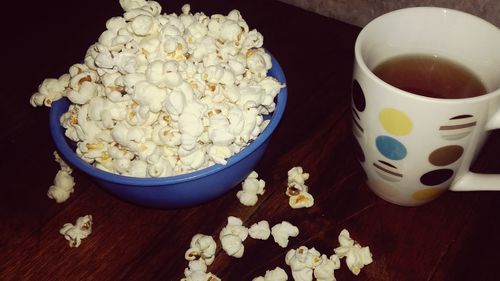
{"x":66,"y":152}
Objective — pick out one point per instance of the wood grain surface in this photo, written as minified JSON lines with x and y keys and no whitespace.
{"x":452,"y":238}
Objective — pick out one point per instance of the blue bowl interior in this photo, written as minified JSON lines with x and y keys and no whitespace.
{"x":198,"y":181}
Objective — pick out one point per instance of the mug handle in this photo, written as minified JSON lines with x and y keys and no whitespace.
{"x":480,"y":182}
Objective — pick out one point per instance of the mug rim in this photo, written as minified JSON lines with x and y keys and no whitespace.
{"x":364,"y":68}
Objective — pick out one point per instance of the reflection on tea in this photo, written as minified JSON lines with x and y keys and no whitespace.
{"x":430,"y":76}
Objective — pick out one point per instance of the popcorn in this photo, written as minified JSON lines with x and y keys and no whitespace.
{"x":50,"y":90}
{"x":251,"y":186}
{"x":232,"y":237}
{"x":206,"y":74}
{"x":356,"y":256}
{"x":63,"y":181}
{"x":302,"y":262}
{"x":297,"y":175}
{"x":297,"y":190}
{"x":196,"y":271}
{"x":325,"y":271}
{"x":282,"y":231}
{"x":202,"y":248}
{"x":62,"y":187}
{"x":301,"y":200}
{"x":75,"y":233}
{"x":277,"y":274}
{"x":307,"y":263}
{"x":260,"y":230}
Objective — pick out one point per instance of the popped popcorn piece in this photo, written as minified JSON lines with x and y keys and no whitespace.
{"x":63,"y":181}
{"x":302,"y":200}
{"x":206,"y":75}
{"x":282,"y":232}
{"x":251,"y":187}
{"x":197,"y":271}
{"x":325,"y":271}
{"x":202,"y":248}
{"x":297,"y":175}
{"x":62,"y":187}
{"x":50,"y":90}
{"x":232,"y":237}
{"x":260,"y":230}
{"x":356,"y":256}
{"x":75,"y":233}
{"x":297,"y":190}
{"x":277,"y":274}
{"x":302,"y":262}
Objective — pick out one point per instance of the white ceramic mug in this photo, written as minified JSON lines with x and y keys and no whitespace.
{"x":412,"y":147}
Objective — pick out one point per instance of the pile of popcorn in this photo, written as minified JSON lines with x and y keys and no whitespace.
{"x":165,"y":94}
{"x":305,"y":263}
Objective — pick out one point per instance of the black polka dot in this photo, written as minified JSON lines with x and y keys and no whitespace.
{"x":436,"y":177}
{"x":358,"y":96}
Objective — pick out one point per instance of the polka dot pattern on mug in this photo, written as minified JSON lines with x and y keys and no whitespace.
{"x":387,"y":171}
{"x":358,"y":97}
{"x":427,"y":194}
{"x":395,"y":122}
{"x":390,"y":147}
{"x":446,"y":155}
{"x":457,"y":127}
{"x":436,"y":177}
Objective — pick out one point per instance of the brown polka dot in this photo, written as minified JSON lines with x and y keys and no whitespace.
{"x":436,"y":177}
{"x":358,"y":96}
{"x":446,"y":155}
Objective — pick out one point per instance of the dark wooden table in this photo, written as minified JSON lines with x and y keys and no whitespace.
{"x":453,"y":238}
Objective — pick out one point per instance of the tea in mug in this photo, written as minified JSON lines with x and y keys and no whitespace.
{"x":430,"y":76}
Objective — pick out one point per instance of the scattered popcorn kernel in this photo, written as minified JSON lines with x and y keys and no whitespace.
{"x":260,"y":230}
{"x":297,"y":175}
{"x":62,"y":187}
{"x":302,"y":262}
{"x":277,"y":274}
{"x":297,"y":190}
{"x":356,"y":256}
{"x":232,"y":237}
{"x":197,"y":271}
{"x":202,"y":248}
{"x":325,"y":271}
{"x":301,"y":200}
{"x":75,"y":233}
{"x":251,"y":187}
{"x":63,"y":181}
{"x":282,"y":232}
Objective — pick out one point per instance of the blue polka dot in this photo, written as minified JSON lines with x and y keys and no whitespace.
{"x":390,"y":148}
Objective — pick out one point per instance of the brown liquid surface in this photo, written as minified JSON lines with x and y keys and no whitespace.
{"x":430,"y":76}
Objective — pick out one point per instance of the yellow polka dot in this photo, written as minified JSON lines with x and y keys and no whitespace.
{"x":395,"y":122}
{"x":427,"y":194}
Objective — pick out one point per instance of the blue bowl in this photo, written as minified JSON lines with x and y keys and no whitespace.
{"x":182,"y":190}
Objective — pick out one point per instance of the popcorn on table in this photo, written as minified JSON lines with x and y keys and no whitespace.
{"x":251,"y":187}
{"x":75,"y":233}
{"x":277,"y":274}
{"x":260,"y":230}
{"x":197,"y":271}
{"x":165,"y":94}
{"x":283,"y":231}
{"x":63,"y":182}
{"x":201,"y":254}
{"x":307,"y":263}
{"x":356,"y":256}
{"x":203,"y":248}
{"x":232,"y":237}
{"x":297,"y":190}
